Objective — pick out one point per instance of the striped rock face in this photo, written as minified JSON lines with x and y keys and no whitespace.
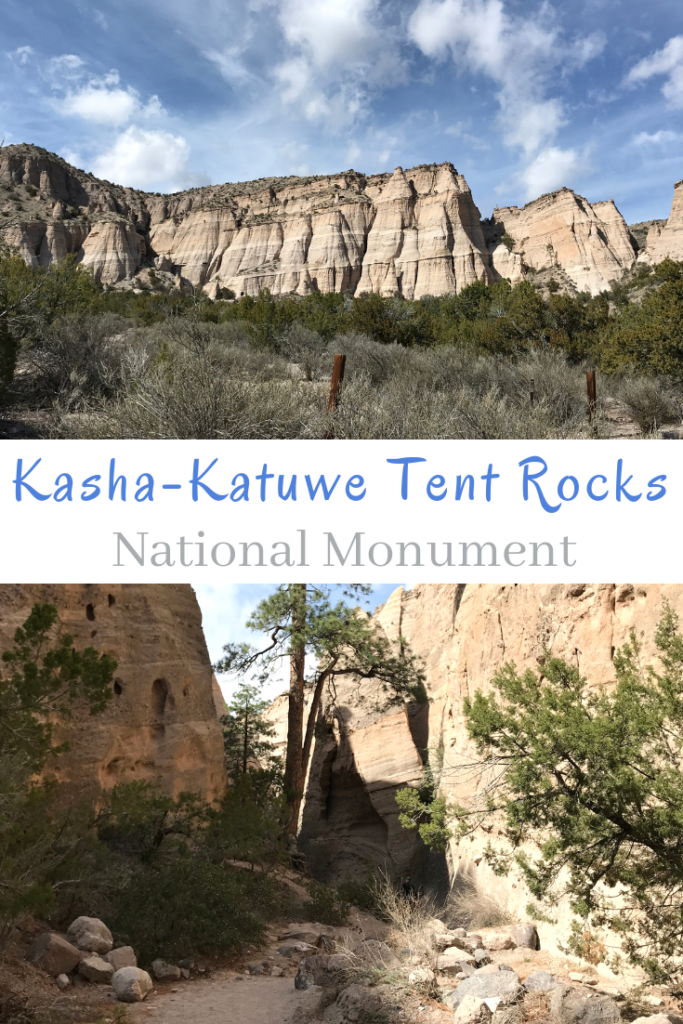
{"x":161,"y":723}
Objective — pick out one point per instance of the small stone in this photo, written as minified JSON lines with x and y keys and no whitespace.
{"x":277,"y":972}
{"x":575,"y":976}
{"x":481,"y":957}
{"x":499,"y":941}
{"x":184,"y":973}
{"x":131,"y":984}
{"x":63,"y":980}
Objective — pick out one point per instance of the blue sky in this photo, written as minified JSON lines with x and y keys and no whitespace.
{"x":522,"y":97}
{"x":225,"y":611}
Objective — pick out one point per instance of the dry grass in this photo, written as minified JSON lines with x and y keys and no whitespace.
{"x":186,"y":379}
{"x":468,"y":907}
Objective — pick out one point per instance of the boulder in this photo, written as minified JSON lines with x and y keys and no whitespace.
{"x":660,"y":1018}
{"x":91,"y":934}
{"x":377,"y":953}
{"x":540,"y":981}
{"x":525,"y":935}
{"x":472,"y":1010}
{"x":498,"y":941}
{"x":163,"y":971}
{"x":354,"y":1004}
{"x":131,"y":984}
{"x":453,"y":960}
{"x":485,"y":986}
{"x":95,"y":969}
{"x":54,"y":954}
{"x":122,"y":956}
{"x":323,"y":970}
{"x":310,"y":933}
{"x":296,"y":948}
{"x":571,"y":1006}
{"x":421,"y":975}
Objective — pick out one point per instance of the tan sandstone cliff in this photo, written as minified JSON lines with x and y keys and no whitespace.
{"x":417,"y":232}
{"x":589,"y":242}
{"x":161,"y":723}
{"x":464,"y":633}
{"x":665,"y":238}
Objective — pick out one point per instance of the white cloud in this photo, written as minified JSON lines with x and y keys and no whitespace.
{"x":22,"y":54}
{"x":65,"y":67}
{"x":518,"y":53}
{"x":337,"y":51}
{"x":100,"y":18}
{"x":103,"y":105}
{"x":660,"y":138}
{"x":100,"y":100}
{"x":142,"y":158}
{"x":667,"y":61}
{"x":551,"y":169}
{"x":331,"y":31}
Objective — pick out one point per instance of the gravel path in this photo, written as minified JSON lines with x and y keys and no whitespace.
{"x":223,"y":999}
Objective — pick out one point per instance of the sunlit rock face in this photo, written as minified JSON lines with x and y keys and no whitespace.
{"x":464,"y":634}
{"x":416,"y":232}
{"x":666,"y":238}
{"x":161,"y":725}
{"x":589,"y":242}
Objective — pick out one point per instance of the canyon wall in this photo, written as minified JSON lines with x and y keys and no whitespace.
{"x":464,"y":634}
{"x":161,"y":723}
{"x":415,"y":232}
{"x":589,"y":242}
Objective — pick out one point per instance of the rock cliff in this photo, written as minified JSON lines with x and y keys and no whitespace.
{"x":161,"y":723}
{"x":589,"y":242}
{"x":463,"y":633}
{"x":665,"y":238}
{"x":417,"y":232}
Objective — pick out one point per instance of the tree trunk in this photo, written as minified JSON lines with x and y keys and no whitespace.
{"x":312,"y":715}
{"x":294,"y":771}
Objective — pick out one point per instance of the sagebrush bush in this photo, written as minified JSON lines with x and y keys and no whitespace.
{"x":185,"y":377}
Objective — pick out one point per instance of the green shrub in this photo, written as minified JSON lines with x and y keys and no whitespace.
{"x":191,"y":906}
{"x":326,"y":905}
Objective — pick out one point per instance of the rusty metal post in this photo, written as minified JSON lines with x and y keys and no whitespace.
{"x":592,"y":395}
{"x":337,"y":381}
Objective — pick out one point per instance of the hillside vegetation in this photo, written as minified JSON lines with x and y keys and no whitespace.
{"x":492,"y":361}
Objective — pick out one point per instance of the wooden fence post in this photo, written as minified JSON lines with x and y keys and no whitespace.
{"x":335,"y":389}
{"x":532,"y":391}
{"x":592,"y":395}
{"x":337,"y":381}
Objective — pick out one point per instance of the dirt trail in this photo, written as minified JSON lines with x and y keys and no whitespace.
{"x":223,"y":999}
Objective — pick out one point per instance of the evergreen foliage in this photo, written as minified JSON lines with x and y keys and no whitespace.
{"x":592,"y":779}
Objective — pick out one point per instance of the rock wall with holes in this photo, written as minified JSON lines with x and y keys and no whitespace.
{"x":161,"y":724}
{"x":464,"y":634}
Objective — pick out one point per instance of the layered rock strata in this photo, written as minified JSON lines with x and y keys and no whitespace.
{"x":590,"y":242}
{"x":160,"y":725}
{"x":416,"y":232}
